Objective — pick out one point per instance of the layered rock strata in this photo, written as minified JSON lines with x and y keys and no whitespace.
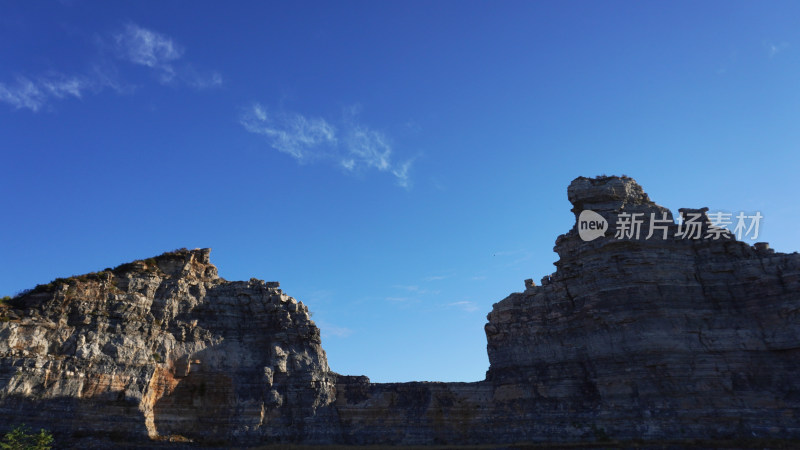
{"x":669,"y":336}
{"x":630,"y":338}
{"x":164,"y":348}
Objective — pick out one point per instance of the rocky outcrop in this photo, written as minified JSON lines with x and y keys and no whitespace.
{"x":165,"y":349}
{"x":650,"y":338}
{"x":632,"y":337}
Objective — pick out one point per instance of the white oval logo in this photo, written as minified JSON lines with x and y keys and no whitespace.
{"x":591,"y":225}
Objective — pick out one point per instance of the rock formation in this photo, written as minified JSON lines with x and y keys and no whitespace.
{"x":630,"y":338}
{"x":164,"y":348}
{"x":652,"y":338}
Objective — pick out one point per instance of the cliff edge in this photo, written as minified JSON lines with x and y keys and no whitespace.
{"x":164,"y":349}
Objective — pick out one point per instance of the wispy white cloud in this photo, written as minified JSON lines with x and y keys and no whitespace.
{"x":134,"y":44}
{"x":204,"y":81}
{"x":438,"y":183}
{"x":401,"y":172}
{"x":368,"y":147}
{"x":509,"y":252}
{"x":145,"y":47}
{"x":412,"y":126}
{"x":301,"y":137}
{"x":34,"y":94}
{"x":435,"y":277}
{"x":148,"y":48}
{"x":105,"y":74}
{"x":415,"y":290}
{"x":465,"y":305}
{"x":349,"y":145}
{"x":411,"y":288}
{"x":775,"y":48}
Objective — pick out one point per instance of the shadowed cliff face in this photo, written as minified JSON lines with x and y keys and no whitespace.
{"x":666,"y":336}
{"x":631,"y":337}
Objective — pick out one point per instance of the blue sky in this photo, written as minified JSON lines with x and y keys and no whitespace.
{"x":399,"y":166}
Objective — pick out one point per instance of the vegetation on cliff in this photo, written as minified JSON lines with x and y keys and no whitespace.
{"x":22,"y":438}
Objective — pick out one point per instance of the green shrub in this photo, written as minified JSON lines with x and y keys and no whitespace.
{"x":21,"y":438}
{"x":5,"y":300}
{"x":51,"y":286}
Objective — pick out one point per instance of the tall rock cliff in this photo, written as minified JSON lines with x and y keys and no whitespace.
{"x":165,"y":349}
{"x":666,"y":336}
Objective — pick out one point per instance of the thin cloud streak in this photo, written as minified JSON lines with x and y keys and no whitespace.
{"x":35,"y":94}
{"x":412,"y":288}
{"x":368,"y":147}
{"x":416,"y":290}
{"x":401,"y":172}
{"x":148,"y":48}
{"x":773,"y":48}
{"x":134,"y":44}
{"x":465,"y":305}
{"x":160,"y":52}
{"x":207,"y":81}
{"x":351,"y":146}
{"x":435,"y":278}
{"x":293,"y":134}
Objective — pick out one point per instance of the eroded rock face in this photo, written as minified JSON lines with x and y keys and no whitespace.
{"x":165,"y":348}
{"x":631,"y":337}
{"x":654,"y":337}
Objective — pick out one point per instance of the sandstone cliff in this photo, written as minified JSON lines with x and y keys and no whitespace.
{"x":164,"y":348}
{"x":629,"y":338}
